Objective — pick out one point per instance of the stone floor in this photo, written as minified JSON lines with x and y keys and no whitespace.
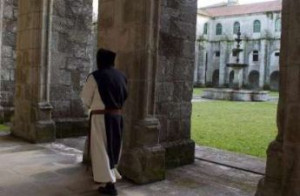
{"x":55,"y":170}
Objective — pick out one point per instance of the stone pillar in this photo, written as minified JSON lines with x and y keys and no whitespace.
{"x":222,"y":68}
{"x":262,"y":67}
{"x":8,"y":26}
{"x":174,"y":84}
{"x":283,"y":163}
{"x":155,"y":45}
{"x":32,"y":118}
{"x":202,"y":64}
{"x":268,"y":62}
{"x":197,"y":62}
{"x":1,"y":32}
{"x":130,"y":28}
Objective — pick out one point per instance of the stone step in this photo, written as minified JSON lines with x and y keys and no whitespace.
{"x":234,"y":160}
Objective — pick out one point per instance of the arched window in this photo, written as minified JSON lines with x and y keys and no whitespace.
{"x":278,"y":25}
{"x":219,"y":29}
{"x":256,"y":26}
{"x":236,"y":27}
{"x":205,"y":30}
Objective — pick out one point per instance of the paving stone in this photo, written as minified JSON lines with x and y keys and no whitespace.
{"x":49,"y":172}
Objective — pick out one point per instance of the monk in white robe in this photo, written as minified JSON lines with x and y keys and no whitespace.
{"x":104,"y":94}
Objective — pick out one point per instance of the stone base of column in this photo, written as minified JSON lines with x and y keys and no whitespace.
{"x":145,"y":162}
{"x":71,"y":127}
{"x":144,"y":165}
{"x":42,"y":127}
{"x":270,"y":185}
{"x":39,"y":132}
{"x":179,"y":153}
{"x":45,"y":131}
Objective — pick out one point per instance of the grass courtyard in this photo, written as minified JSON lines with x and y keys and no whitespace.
{"x":4,"y":128}
{"x":243,"y":127}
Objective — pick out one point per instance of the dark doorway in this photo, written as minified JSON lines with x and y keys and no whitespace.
{"x":254,"y":80}
{"x":274,"y":81}
{"x":215,"y":78}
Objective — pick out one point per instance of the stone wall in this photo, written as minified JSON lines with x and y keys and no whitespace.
{"x":266,"y":42}
{"x":266,"y":65}
{"x":8,"y":17}
{"x":54,"y":57}
{"x":71,"y":60}
{"x":175,"y":79}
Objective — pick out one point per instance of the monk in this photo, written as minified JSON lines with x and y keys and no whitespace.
{"x":104,"y":94}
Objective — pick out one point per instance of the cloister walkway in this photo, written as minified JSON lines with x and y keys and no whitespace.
{"x":55,"y":169}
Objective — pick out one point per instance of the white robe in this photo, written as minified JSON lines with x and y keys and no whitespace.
{"x":100,"y":162}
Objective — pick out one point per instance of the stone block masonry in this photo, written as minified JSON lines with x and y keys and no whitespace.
{"x":70,"y":57}
{"x":8,"y":28}
{"x":55,"y":51}
{"x":70,"y":53}
{"x":175,"y":79}
{"x":155,"y":42}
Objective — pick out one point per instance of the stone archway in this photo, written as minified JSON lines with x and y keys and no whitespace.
{"x":274,"y":81}
{"x":159,"y":70}
{"x":253,"y":79}
{"x":150,"y":48}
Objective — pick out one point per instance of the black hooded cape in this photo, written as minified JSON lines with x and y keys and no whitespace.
{"x":112,"y":86}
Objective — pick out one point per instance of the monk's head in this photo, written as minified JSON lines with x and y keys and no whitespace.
{"x":105,"y":58}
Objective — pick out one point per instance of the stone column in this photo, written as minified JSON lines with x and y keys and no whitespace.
{"x":262,"y":67}
{"x":1,"y":32}
{"x":283,"y":163}
{"x":32,"y":119}
{"x":222,"y":68}
{"x":8,"y":24}
{"x":155,"y":44}
{"x":202,"y":65}
{"x":130,"y":28}
{"x":197,"y":62}
{"x":174,"y":84}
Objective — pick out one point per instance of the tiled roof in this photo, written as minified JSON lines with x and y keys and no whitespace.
{"x":243,"y":9}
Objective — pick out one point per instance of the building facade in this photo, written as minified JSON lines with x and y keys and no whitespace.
{"x":217,"y":26}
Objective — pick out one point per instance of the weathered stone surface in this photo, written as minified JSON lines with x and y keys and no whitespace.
{"x":282,"y":173}
{"x":175,"y":78}
{"x":70,"y":62}
{"x":55,"y":169}
{"x":8,"y":24}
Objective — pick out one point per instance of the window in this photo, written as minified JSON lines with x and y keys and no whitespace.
{"x":219,"y":29}
{"x":217,"y":53}
{"x":256,"y":26}
{"x":277,"y":53}
{"x":255,"y":56}
{"x":278,"y":25}
{"x":205,"y":30}
{"x":236,"y":27}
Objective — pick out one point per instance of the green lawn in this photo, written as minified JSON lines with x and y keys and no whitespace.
{"x":274,"y":93}
{"x":198,"y":91}
{"x":243,"y":127}
{"x":4,"y":128}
